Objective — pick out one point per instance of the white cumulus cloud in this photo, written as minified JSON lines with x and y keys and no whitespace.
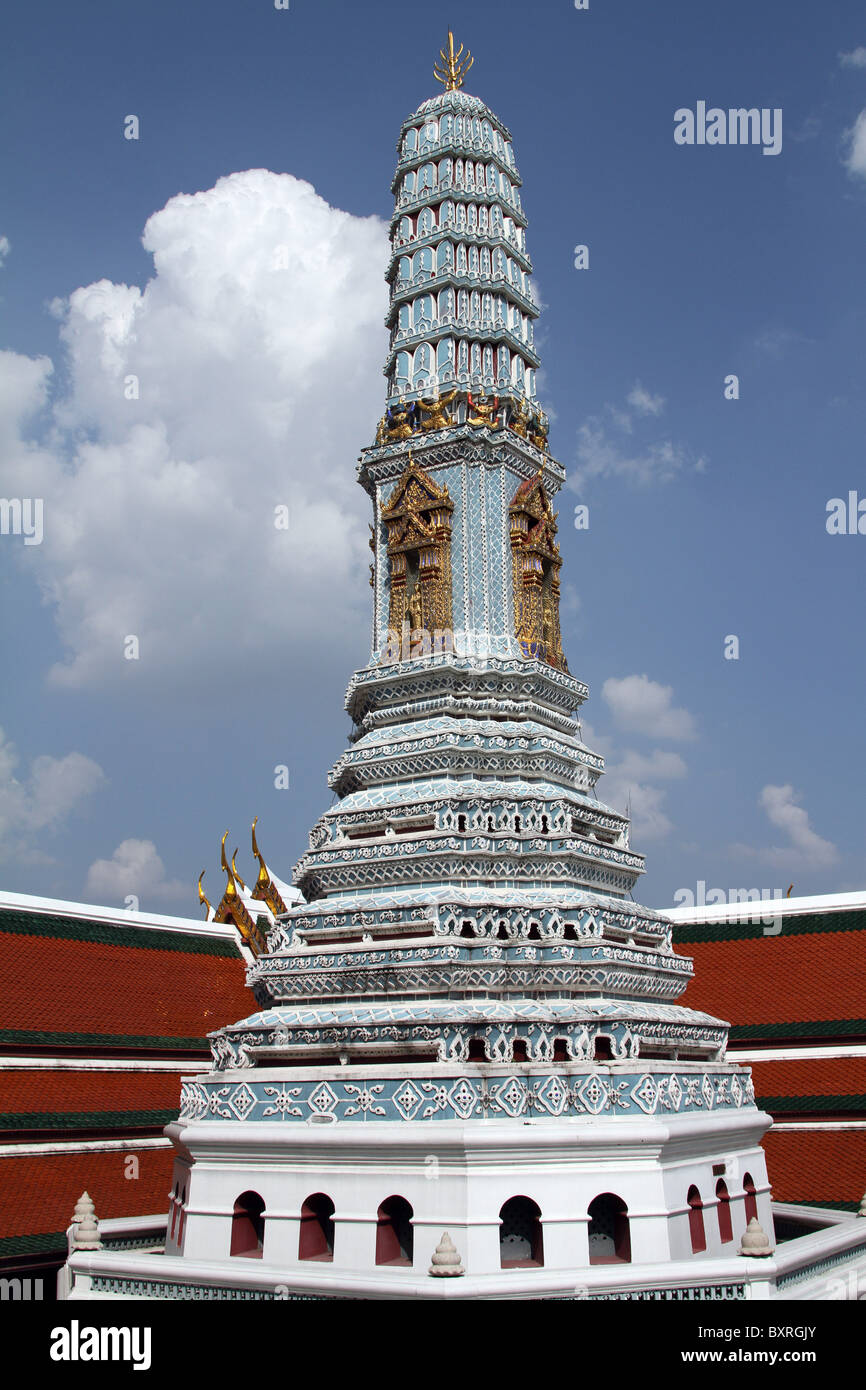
{"x":644,"y":402}
{"x":242,"y":378}
{"x":629,"y":784}
{"x":647,"y":707}
{"x":855,"y":139}
{"x":41,"y":800}
{"x":135,"y":869}
{"x":806,"y":849}
{"x":855,"y":59}
{"x":602,"y":453}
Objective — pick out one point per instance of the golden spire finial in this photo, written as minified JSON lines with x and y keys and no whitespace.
{"x":202,"y":898}
{"x":231,"y":886}
{"x":236,"y":873}
{"x":264,"y":876}
{"x":452,"y":70}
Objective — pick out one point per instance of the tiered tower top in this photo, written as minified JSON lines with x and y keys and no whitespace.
{"x":462,"y":310}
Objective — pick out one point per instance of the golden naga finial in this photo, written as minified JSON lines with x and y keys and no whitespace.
{"x":264,"y":876}
{"x":452,"y":70}
{"x":202,"y":898}
{"x":231,"y":886}
{"x":237,"y":874}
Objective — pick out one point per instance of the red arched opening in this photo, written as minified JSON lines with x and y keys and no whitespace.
{"x":316,"y":1240}
{"x":609,"y":1234}
{"x":726,"y":1229}
{"x":521,"y":1242}
{"x":248,"y":1226}
{"x":751,"y":1198}
{"x":696,"y":1221}
{"x":394,"y":1234}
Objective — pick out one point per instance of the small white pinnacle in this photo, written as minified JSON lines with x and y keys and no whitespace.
{"x":85,"y":1236}
{"x":446,"y":1262}
{"x":755,"y":1242}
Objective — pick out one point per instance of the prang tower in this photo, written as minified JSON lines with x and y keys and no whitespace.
{"x":467,"y":1026}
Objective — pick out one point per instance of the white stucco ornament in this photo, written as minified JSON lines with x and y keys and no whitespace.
{"x":86,"y":1233}
{"x":754,"y":1242}
{"x":446,"y":1263}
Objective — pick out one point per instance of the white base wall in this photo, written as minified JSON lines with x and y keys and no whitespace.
{"x":457,"y":1178}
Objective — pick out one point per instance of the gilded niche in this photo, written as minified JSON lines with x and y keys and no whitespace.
{"x":418,"y":518}
{"x":535,"y":565}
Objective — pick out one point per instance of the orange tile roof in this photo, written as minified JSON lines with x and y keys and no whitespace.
{"x":66,"y":987}
{"x":780,"y":980}
{"x":810,"y":1076}
{"x":55,"y":1093}
{"x":821,"y":1166}
{"x":38,"y":1195}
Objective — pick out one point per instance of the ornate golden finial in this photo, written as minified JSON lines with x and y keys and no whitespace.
{"x":452,"y":70}
{"x":236,"y":873}
{"x":231,"y":886}
{"x":202,"y":898}
{"x":264,"y":876}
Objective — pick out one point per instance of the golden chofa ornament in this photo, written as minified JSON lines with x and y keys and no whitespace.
{"x":453,"y":67}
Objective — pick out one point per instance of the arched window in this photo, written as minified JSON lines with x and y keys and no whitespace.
{"x":425,"y":222}
{"x":444,"y":255}
{"x":609,"y":1235}
{"x":316,"y":1240}
{"x":403,"y":371}
{"x":696,"y":1221}
{"x":426,"y":177}
{"x":521,"y":1242}
{"x":423,"y":314}
{"x":405,"y":272}
{"x":410,"y":141}
{"x":422,"y":366}
{"x":477,"y":1050}
{"x":424,"y":261}
{"x":726,"y":1230}
{"x":751,"y":1198}
{"x":394,"y":1243}
{"x":445,"y":127}
{"x":404,"y":319}
{"x":518,"y":1050}
{"x":405,"y":229}
{"x":445,"y":359}
{"x":409,"y":181}
{"x":248,"y":1226}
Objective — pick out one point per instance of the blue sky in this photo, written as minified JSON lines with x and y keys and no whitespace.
{"x":707,"y":516}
